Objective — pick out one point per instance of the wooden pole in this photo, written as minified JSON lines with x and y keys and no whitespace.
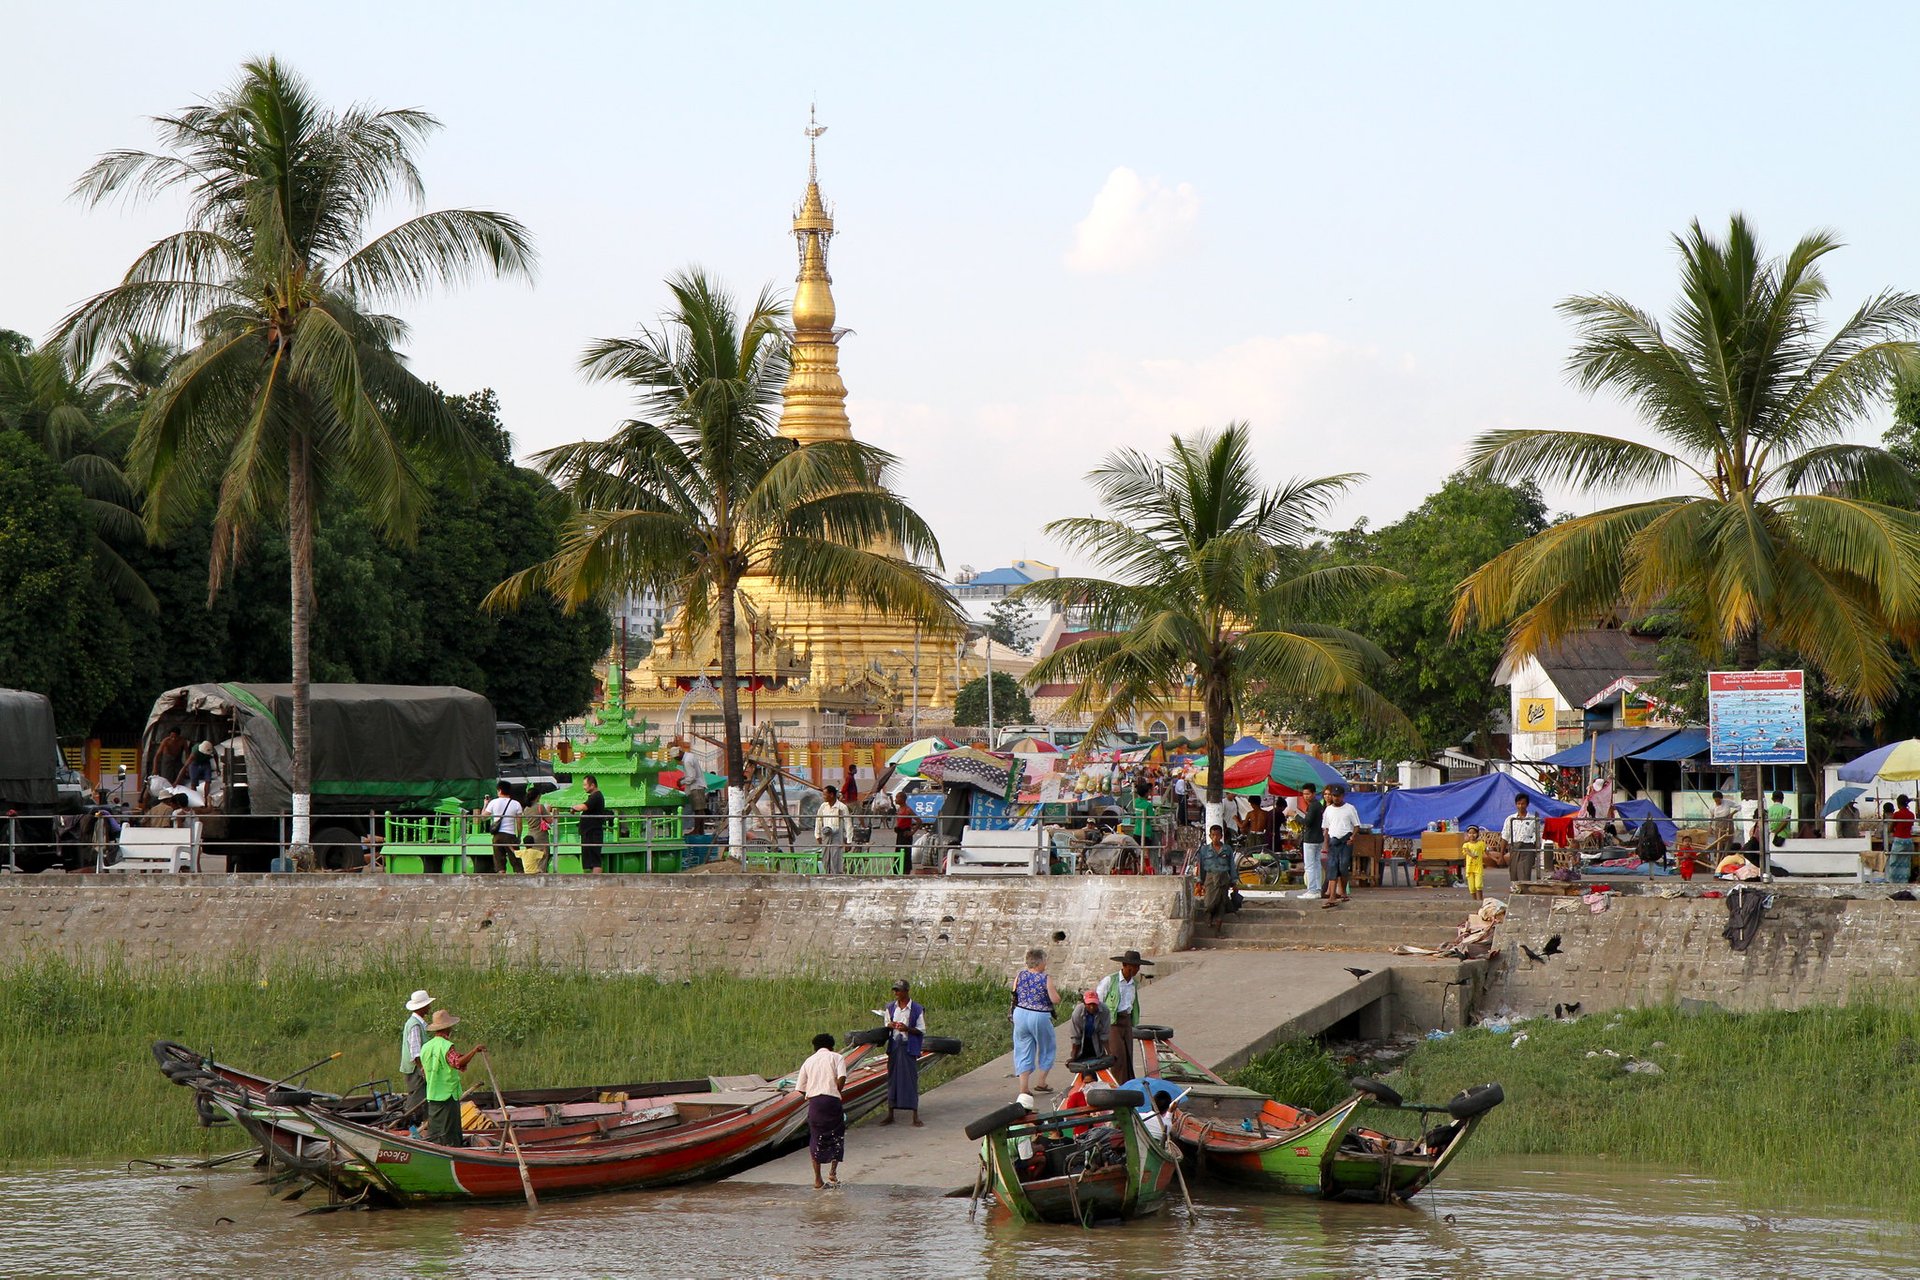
{"x":513,"y":1140}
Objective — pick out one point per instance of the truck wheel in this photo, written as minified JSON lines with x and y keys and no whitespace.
{"x":1385,"y":1094}
{"x":1476,"y":1101}
{"x":338,"y":846}
{"x":994,"y":1121}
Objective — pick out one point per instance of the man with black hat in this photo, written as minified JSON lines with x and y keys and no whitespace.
{"x":1120,"y":994}
{"x":906,"y":1032}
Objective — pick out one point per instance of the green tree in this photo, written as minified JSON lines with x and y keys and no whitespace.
{"x":688,"y":499}
{"x":60,"y":633}
{"x":1010,"y":704}
{"x":1009,"y":623}
{"x":1218,"y":577}
{"x":1442,"y":681}
{"x":79,"y":420}
{"x":1788,"y":537}
{"x":293,"y":394}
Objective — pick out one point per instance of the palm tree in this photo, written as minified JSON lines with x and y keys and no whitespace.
{"x":1786,"y":533}
{"x":76,"y":420}
{"x":701,"y":490}
{"x":1219,"y":579}
{"x":292,"y":390}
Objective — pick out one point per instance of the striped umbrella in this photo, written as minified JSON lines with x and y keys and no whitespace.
{"x":1895,"y":762}
{"x":907,"y":759}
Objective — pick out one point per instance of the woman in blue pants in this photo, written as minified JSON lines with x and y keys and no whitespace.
{"x":1034,"y":998}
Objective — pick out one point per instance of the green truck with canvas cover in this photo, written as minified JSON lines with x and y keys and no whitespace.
{"x":33,"y":799}
{"x":376,"y":749}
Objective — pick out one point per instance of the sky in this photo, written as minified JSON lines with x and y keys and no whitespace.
{"x":1063,"y":229}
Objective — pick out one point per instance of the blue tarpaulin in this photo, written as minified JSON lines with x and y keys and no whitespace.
{"x":1639,"y":811}
{"x":1484,"y":801}
{"x":1684,"y":745}
{"x":1604,"y":748}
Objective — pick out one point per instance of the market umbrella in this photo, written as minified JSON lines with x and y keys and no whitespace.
{"x":1293,"y":768}
{"x":907,"y":759}
{"x":1895,"y":762}
{"x":994,"y":772}
{"x":1245,"y":774}
{"x":1029,"y":745}
{"x":1841,"y":799}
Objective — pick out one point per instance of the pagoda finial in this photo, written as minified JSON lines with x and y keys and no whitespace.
{"x":813,"y":131}
{"x":815,"y":398}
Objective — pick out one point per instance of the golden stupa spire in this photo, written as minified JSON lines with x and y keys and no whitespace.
{"x":815,"y":398}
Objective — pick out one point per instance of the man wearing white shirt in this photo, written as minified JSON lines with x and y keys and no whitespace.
{"x":1338,"y":823}
{"x":1521,"y":831}
{"x":832,"y":828}
{"x":504,"y":814}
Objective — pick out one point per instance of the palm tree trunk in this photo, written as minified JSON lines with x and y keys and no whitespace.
{"x":1746,"y":657}
{"x":730,"y":724}
{"x":1219,"y":711}
{"x":300,"y":557}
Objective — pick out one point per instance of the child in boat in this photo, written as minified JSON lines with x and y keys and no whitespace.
{"x":1474,"y":850}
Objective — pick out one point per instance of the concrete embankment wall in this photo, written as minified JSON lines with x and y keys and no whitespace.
{"x":1814,"y":947}
{"x":668,"y":925}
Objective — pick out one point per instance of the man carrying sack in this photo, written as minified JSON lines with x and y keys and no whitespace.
{"x":1120,"y":994}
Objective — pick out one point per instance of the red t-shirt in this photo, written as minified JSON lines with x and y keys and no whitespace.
{"x":1902,"y":828}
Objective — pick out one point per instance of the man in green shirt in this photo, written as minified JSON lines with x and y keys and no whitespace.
{"x":1779,"y":819}
{"x":442,"y":1065}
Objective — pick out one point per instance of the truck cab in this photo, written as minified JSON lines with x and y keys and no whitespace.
{"x":519,"y":763}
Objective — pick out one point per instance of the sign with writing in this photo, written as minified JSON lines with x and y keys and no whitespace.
{"x":926,"y":804}
{"x":1636,"y":714}
{"x":1757,"y":717}
{"x":1535,"y":715}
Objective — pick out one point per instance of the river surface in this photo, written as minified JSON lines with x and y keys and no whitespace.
{"x":1524,"y":1218}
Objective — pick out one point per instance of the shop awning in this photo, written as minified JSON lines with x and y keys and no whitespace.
{"x":1605,"y":748}
{"x":1684,"y":745}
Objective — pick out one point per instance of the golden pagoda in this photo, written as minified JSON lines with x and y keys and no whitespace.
{"x":808,"y":666}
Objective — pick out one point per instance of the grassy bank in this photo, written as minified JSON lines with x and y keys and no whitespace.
{"x":1818,"y":1102}
{"x":74,"y":1040}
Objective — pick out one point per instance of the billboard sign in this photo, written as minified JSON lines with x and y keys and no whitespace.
{"x":1535,"y":716}
{"x":1757,"y":717}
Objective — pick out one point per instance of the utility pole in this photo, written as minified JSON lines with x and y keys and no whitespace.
{"x":913,"y":722}
{"x":990,"y":741}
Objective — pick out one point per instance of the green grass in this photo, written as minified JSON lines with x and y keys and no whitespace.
{"x":1820,"y":1102}
{"x":74,"y":1039}
{"x":1299,"y":1073}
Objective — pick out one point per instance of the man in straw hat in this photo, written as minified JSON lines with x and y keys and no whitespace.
{"x":413,"y":1037}
{"x":442,"y":1065}
{"x":1120,"y":994}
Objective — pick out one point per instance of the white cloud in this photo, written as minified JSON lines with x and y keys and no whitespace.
{"x":1133,"y":222}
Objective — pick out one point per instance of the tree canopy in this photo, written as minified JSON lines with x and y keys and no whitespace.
{"x":1786,"y":533}
{"x":1010,"y":702}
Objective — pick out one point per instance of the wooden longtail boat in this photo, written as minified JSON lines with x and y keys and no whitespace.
{"x":1079,"y":1166}
{"x":1236,"y":1136}
{"x":657,"y":1136}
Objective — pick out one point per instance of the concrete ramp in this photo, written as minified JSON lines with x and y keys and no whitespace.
{"x":1224,"y":1007}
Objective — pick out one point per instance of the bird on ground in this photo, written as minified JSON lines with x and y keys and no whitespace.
{"x":1532,"y":955}
{"x":1358,"y":973}
{"x":1553,"y":946}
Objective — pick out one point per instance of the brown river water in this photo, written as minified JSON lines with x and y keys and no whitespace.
{"x":1524,"y":1218}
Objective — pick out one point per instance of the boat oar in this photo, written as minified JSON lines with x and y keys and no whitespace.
{"x":302,"y":1071}
{"x":513,"y":1140}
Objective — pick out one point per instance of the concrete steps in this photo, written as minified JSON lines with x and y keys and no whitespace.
{"x":1372,"y":921}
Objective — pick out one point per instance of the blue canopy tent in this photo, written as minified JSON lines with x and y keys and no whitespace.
{"x":1683,"y":745}
{"x":1605,"y":748}
{"x":1245,"y":747}
{"x":1484,"y":801}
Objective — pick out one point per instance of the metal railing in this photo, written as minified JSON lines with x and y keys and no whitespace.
{"x":103,"y":840}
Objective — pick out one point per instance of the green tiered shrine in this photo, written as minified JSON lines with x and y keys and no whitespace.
{"x":643,"y":821}
{"x":643,"y":817}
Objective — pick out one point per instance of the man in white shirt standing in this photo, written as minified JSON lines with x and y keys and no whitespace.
{"x":1521,"y":831}
{"x":504,"y":814}
{"x":1338,"y":823}
{"x":832,"y":828}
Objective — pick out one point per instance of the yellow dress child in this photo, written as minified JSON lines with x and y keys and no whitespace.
{"x":1475,"y":853}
